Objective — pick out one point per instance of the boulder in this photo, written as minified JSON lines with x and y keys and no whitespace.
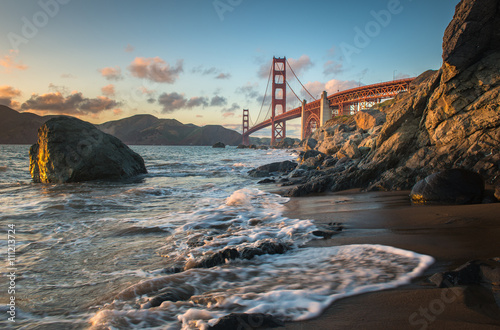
{"x":242,"y":146}
{"x":476,"y":272}
{"x":368,"y":119}
{"x":266,"y":181}
{"x":312,"y":162}
{"x":219,"y":145}
{"x":455,"y":186}
{"x":266,"y":170}
{"x":311,"y":154}
{"x":349,"y":149}
{"x":309,"y":144}
{"x":71,"y":150}
{"x":285,"y":143}
{"x":220,"y":257}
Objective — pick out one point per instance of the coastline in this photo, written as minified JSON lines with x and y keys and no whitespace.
{"x":452,"y":234}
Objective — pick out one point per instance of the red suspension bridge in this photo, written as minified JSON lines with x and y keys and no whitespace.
{"x":316,"y":113}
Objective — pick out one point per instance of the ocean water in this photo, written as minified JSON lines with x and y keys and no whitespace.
{"x":94,"y":255}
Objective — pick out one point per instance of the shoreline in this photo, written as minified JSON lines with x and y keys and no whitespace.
{"x":451,"y":234}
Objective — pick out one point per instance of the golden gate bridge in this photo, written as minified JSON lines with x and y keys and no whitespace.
{"x":315,"y":113}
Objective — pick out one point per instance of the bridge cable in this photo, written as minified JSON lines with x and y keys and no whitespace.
{"x":293,"y":91}
{"x":300,"y":81}
{"x":265,"y":94}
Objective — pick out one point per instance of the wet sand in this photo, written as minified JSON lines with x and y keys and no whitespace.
{"x":452,"y":235}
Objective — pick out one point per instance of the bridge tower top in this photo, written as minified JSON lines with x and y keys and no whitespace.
{"x":278,"y":105}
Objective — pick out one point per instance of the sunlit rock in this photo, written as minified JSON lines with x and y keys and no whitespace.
{"x":71,"y":150}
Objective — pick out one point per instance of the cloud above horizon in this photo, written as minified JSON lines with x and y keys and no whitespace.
{"x":331,"y":87}
{"x":211,"y":71}
{"x":73,"y":104}
{"x":9,"y":62}
{"x":172,"y":102}
{"x":110,"y":73}
{"x":155,"y":69}
{"x":333,"y":68}
{"x":108,"y":90}
{"x":7,"y":94}
{"x":299,"y":66}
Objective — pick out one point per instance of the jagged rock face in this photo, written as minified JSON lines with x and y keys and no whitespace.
{"x":449,"y":122}
{"x":475,"y":29}
{"x":368,"y":119}
{"x":71,"y":150}
{"x":450,"y":118}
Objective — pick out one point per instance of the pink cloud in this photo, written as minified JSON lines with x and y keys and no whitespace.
{"x":331,"y":87}
{"x":112,"y":73}
{"x":108,"y":90}
{"x":72,"y":104}
{"x":155,"y":69}
{"x":9,"y":62}
{"x":299,"y":66}
{"x":7,"y":94}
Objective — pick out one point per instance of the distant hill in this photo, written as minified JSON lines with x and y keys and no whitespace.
{"x":22,"y":128}
{"x":18,"y":128}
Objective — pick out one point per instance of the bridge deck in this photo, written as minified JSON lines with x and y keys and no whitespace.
{"x":359,"y":94}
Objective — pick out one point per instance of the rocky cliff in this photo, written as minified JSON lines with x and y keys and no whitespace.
{"x":450,"y":118}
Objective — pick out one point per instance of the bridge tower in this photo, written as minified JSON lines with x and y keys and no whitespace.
{"x":246,"y":127}
{"x":278,"y":99}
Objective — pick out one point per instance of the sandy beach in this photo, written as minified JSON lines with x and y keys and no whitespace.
{"x":452,"y":235}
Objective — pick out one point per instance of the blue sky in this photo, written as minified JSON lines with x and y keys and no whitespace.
{"x":203,"y":61}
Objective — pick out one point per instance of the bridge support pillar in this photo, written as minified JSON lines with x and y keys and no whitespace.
{"x":278,"y":128}
{"x":246,"y":127}
{"x":303,"y":128}
{"x":324,"y":111}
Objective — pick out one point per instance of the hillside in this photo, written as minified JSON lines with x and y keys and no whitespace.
{"x":22,"y":128}
{"x":18,"y":128}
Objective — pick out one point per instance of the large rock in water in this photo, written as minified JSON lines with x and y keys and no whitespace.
{"x":455,"y":186}
{"x":71,"y":150}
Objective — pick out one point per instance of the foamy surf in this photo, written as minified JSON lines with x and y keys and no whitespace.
{"x":100,"y":254}
{"x":294,"y":286}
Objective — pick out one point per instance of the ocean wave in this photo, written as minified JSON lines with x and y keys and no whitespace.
{"x":294,"y":286}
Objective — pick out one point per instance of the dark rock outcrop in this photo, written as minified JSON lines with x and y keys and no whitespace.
{"x":267,"y":170}
{"x":219,"y":258}
{"x":476,"y":272}
{"x":473,"y":31}
{"x":179,"y":293}
{"x":219,"y":145}
{"x":246,"y":321}
{"x":449,"y":118}
{"x":285,"y":143}
{"x":71,"y":150}
{"x":455,"y":186}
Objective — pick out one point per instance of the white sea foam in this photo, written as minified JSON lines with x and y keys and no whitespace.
{"x":295,"y":286}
